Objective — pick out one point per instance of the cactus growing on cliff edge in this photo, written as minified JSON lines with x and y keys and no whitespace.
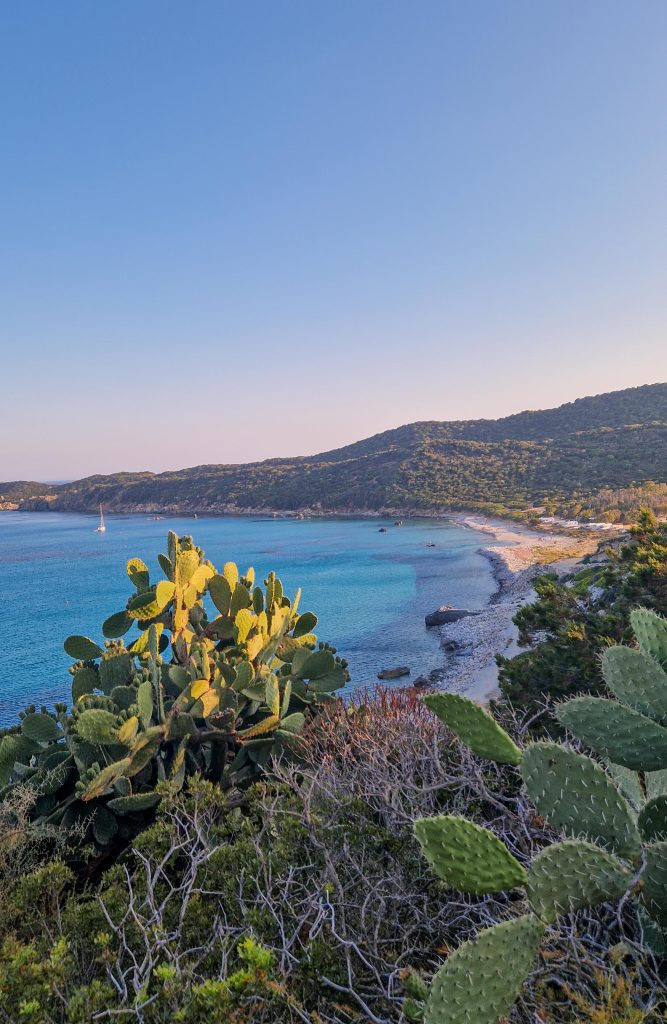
{"x":616,"y":844}
{"x":190,"y":693}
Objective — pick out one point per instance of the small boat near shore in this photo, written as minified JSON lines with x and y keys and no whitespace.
{"x":101,"y":528}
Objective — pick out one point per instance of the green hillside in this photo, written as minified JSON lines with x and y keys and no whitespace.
{"x":563,"y":457}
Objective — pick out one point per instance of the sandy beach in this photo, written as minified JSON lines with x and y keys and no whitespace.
{"x":518,"y":556}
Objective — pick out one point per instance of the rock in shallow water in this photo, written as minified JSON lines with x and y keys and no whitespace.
{"x":444,"y":615}
{"x":394,"y":673}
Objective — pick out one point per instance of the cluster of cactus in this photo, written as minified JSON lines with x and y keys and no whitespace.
{"x":613,"y":811}
{"x":213,"y":694}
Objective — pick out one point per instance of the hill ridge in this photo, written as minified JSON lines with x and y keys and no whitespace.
{"x":559,"y":457}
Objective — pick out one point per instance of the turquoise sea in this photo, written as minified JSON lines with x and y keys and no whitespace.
{"x":370,"y":590}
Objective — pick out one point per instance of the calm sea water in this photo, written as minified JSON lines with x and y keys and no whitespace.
{"x":370,"y":590}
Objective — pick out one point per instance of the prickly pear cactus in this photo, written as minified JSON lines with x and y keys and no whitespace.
{"x":615,"y":813}
{"x":202,"y":671}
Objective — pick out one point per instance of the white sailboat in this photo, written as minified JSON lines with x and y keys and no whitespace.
{"x":101,"y":528}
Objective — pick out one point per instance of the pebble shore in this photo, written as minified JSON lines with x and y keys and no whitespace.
{"x":470,"y":669}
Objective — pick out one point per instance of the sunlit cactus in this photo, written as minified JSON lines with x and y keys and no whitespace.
{"x":221,"y":675}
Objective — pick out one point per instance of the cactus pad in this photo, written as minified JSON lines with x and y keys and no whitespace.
{"x":480,"y":980}
{"x":574,"y":874}
{"x":82,"y":649}
{"x":619,"y":733}
{"x":475,"y":727}
{"x":134,"y":803}
{"x":629,"y":783}
{"x":115,"y":671}
{"x":656,"y":783}
{"x":651,"y":632}
{"x":652,"y":820}
{"x":577,"y":796}
{"x":104,"y":825}
{"x":97,"y":726}
{"x":116,"y":625}
{"x":41,"y":728}
{"x":466,"y":856}
{"x":85,"y":681}
{"x":636,"y":680}
{"x":654,"y":877}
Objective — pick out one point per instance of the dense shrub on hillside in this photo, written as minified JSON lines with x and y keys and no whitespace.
{"x":312,"y":903}
{"x":572,"y":621}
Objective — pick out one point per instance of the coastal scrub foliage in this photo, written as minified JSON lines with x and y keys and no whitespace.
{"x":311,"y":902}
{"x":212,"y":694}
{"x":573,"y":621}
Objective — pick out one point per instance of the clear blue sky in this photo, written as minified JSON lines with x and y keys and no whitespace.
{"x":234,"y":230}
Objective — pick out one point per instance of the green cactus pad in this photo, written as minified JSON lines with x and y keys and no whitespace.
{"x":221,"y":593}
{"x":318,"y":665}
{"x":124,"y":696}
{"x":293,"y":723}
{"x":475,"y":727}
{"x":636,"y":680}
{"x":166,"y":566}
{"x":8,"y":757}
{"x":116,"y":625}
{"x":574,"y":874}
{"x":656,"y":783}
{"x":467,"y":856}
{"x":304,"y":624}
{"x":85,"y":681}
{"x":240,"y":599}
{"x":652,"y":820}
{"x":577,"y":796}
{"x":147,"y":604}
{"x":82,"y":649}
{"x":97,"y":726}
{"x":41,"y":728}
{"x":654,"y":877}
{"x":115,"y":671}
{"x":481,"y":979}
{"x":654,"y":938}
{"x":651,"y":632}
{"x":105,"y":826}
{"x":629,"y":783}
{"x":619,"y":733}
{"x":145,"y":703}
{"x":135,"y":803}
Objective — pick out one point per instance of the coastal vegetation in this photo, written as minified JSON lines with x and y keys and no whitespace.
{"x":622,"y":812}
{"x":248,"y":848}
{"x":570,"y":460}
{"x":570,"y":624}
